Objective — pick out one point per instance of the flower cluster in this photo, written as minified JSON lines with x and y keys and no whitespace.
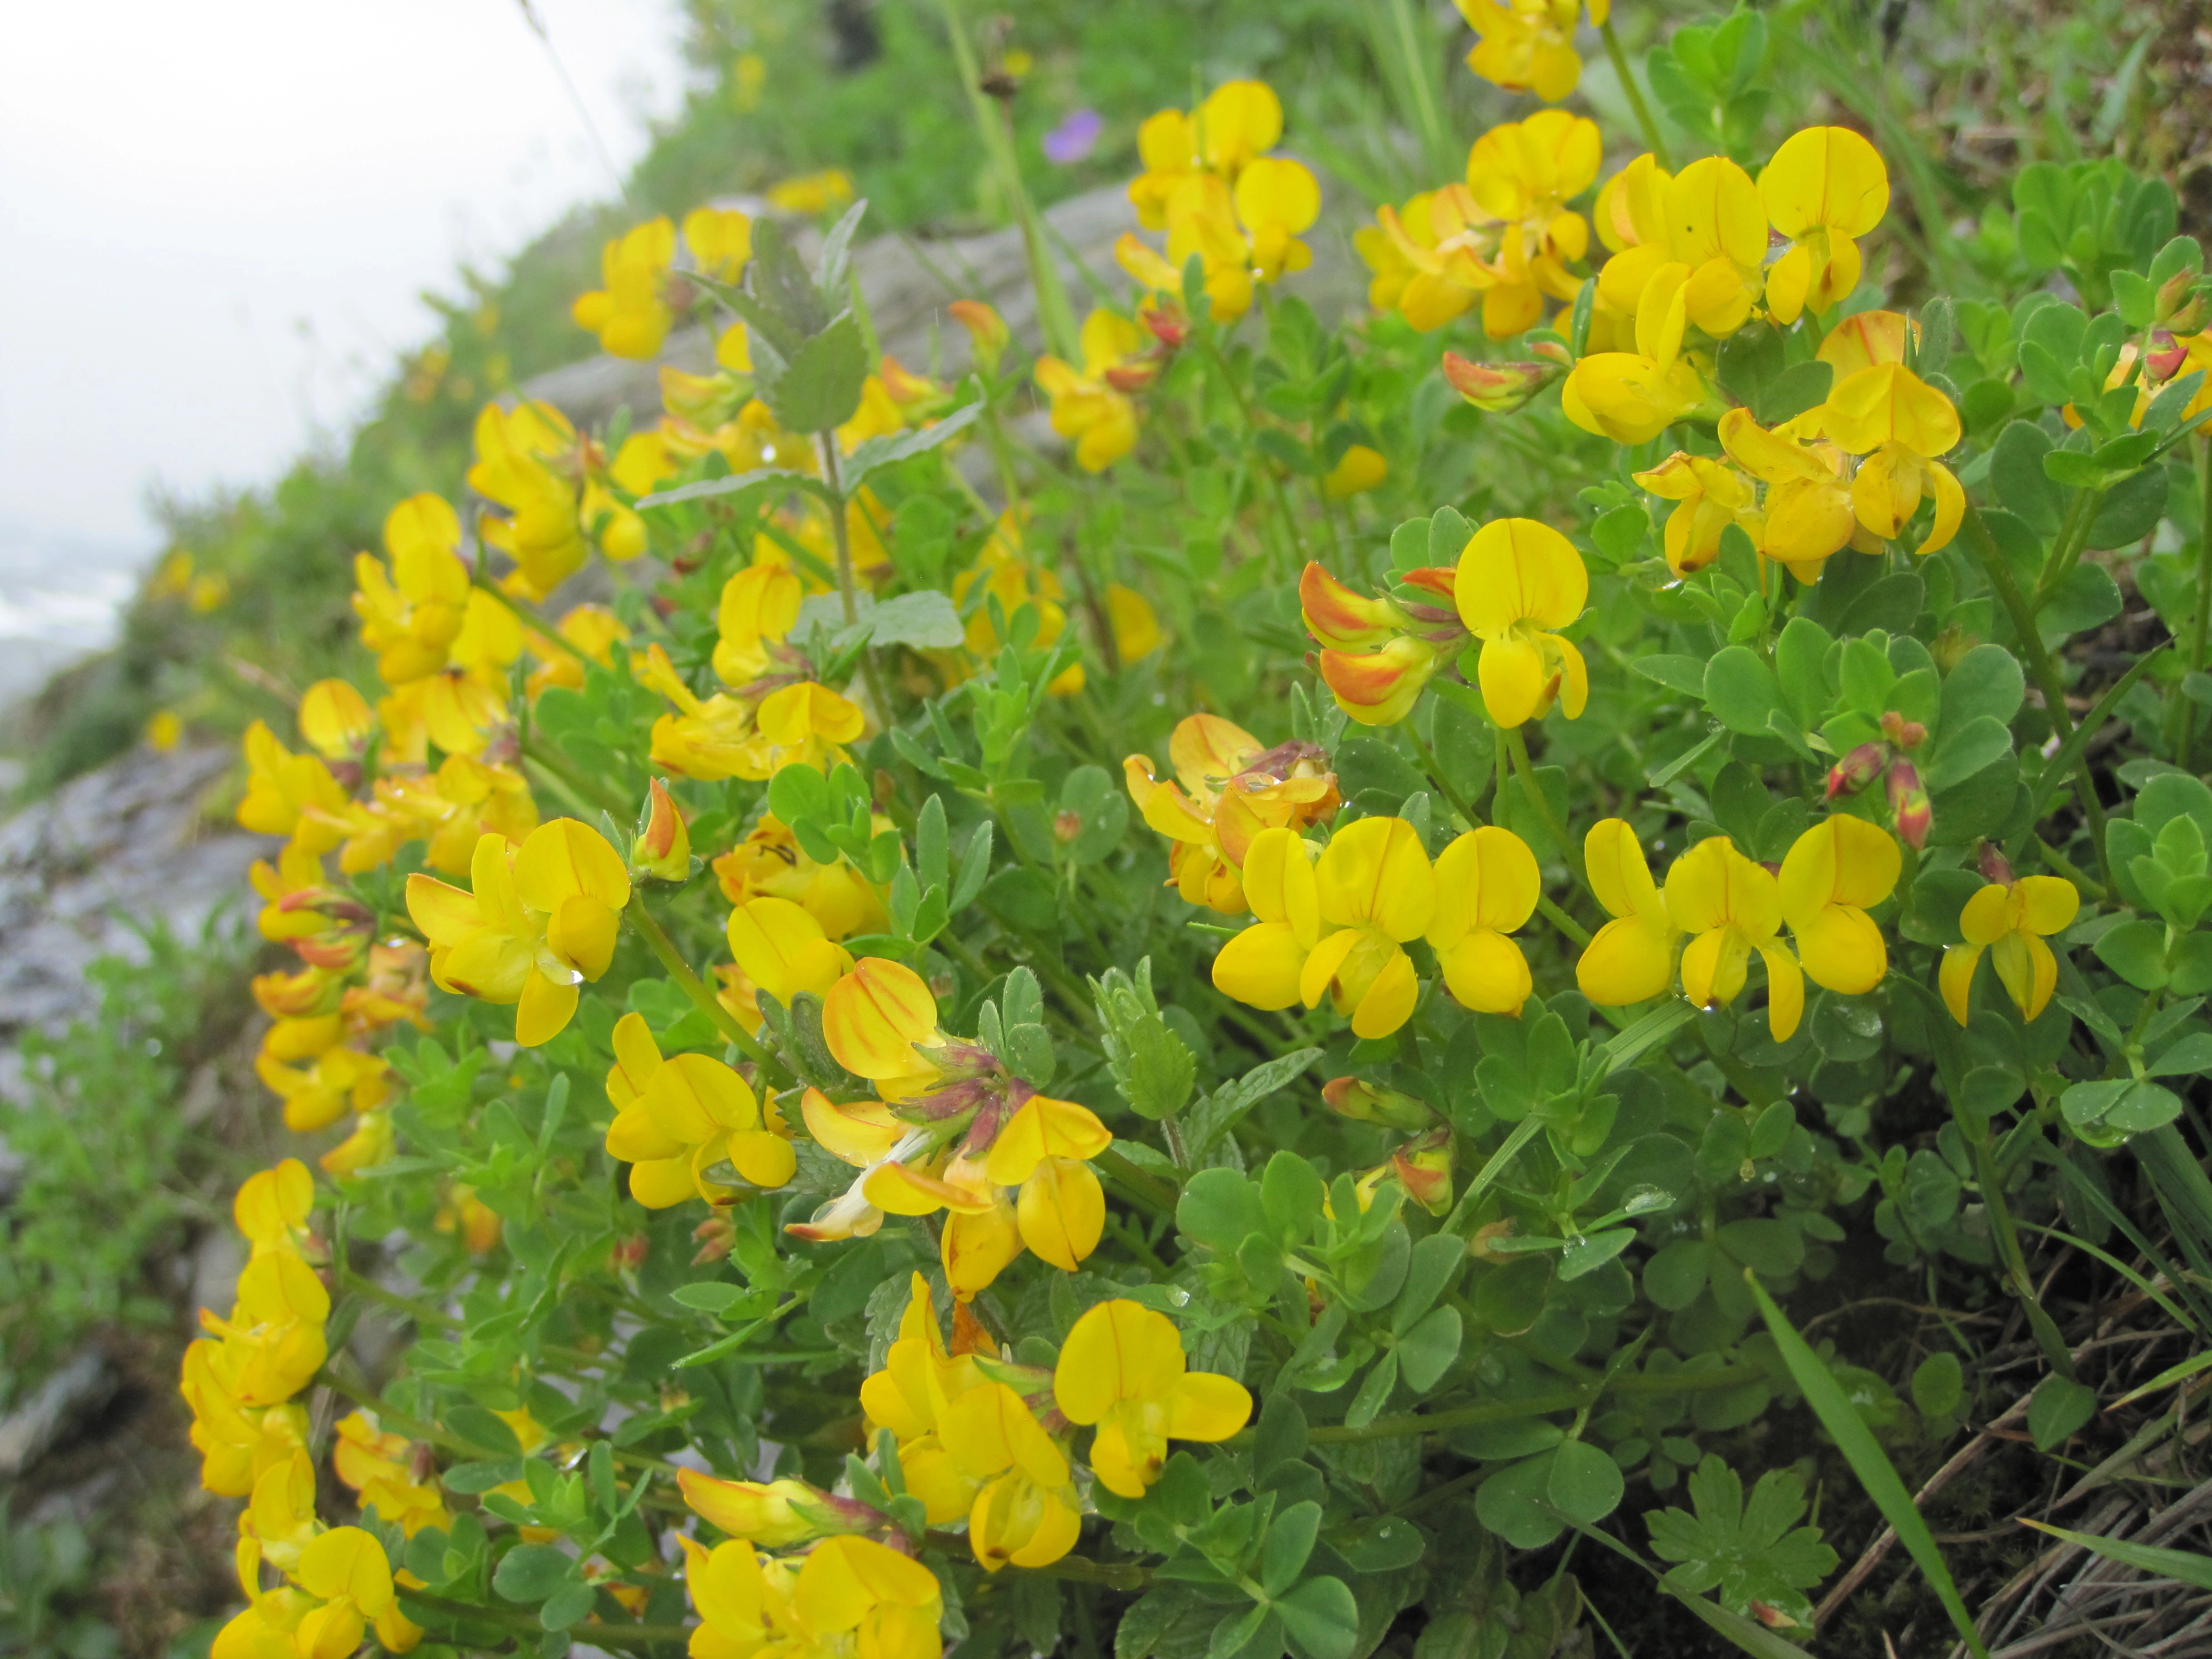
{"x":241,"y":1380}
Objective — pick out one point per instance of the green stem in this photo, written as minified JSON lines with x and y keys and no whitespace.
{"x":1560,"y":920}
{"x":577,"y":787}
{"x":2047,"y":679}
{"x":1540,"y":803}
{"x":2066,"y":552}
{"x":826,"y":442}
{"x":1252,"y":423}
{"x":1147,"y":1189}
{"x":2200,"y":627}
{"x":529,"y":1633}
{"x":658,"y":943}
{"x":1644,"y":118}
{"x":1434,"y":768}
{"x":1055,"y":315}
{"x":421,"y":1312}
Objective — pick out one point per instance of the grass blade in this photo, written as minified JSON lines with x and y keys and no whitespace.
{"x":2171,"y":1375}
{"x":1875,"y":1472}
{"x":1753,"y":1637}
{"x":2187,"y":1565}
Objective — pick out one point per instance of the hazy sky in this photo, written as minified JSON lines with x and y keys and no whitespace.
{"x":215,"y":217}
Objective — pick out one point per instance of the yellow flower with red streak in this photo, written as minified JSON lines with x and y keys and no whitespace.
{"x":1823,"y":188}
{"x":1432,"y":260}
{"x":538,"y":921}
{"x":678,"y":1118}
{"x":2010,"y":919}
{"x":1730,"y":907}
{"x":1528,"y":45}
{"x":1632,"y":396}
{"x":1227,"y":788}
{"x":1518,"y":583}
{"x":1026,"y":1512}
{"x":1708,"y":495}
{"x":1091,"y":406}
{"x":1122,"y":1368}
{"x":769,"y":863}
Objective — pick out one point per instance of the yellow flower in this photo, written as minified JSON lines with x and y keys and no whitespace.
{"x":1519,"y":582}
{"x":283,"y":788}
{"x":1631,"y":396}
{"x":720,"y":241}
{"x":340,"y":1080}
{"x":769,"y":863}
{"x":783,"y":949}
{"x":875,"y":1018}
{"x":1708,"y":495}
{"x":1631,"y":957}
{"x":413,"y":614}
{"x":1236,"y":789}
{"x":1834,"y":873}
{"x":1087,"y":406}
{"x":539,"y":921}
{"x":1528,"y":45}
{"x":920,"y":1378}
{"x":271,"y":1206}
{"x":1487,"y":885}
{"x":848,"y":1596}
{"x":336,"y":720}
{"x":1361,"y":469}
{"x":688,"y":1112}
{"x":1522,"y":174}
{"x":1276,"y":199}
{"x":1732,"y":907}
{"x":1059,"y":1207}
{"x":1238,"y":122}
{"x":164,"y":731}
{"x":1136,"y":628}
{"x":1807,"y":514}
{"x":1026,"y":1511}
{"x":631,"y":314}
{"x":2011,"y":920}
{"x":1824,"y":187}
{"x":775,"y":1513}
{"x":543,"y":532}
{"x":1433,"y":258}
{"x":1718,"y":227}
{"x":1900,"y":425}
{"x":380,"y":1467}
{"x":1336,"y":927}
{"x":1122,"y":1368}
{"x":813,"y":192}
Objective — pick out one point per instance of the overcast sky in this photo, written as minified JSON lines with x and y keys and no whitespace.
{"x":215,"y":217}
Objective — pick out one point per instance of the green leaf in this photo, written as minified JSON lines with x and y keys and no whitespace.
{"x":1684,"y":674}
{"x":483,"y":1430}
{"x":2057,"y":1409}
{"x":531,"y":1573}
{"x":1938,"y":1385}
{"x":1218,"y":1208}
{"x":1322,"y":1618}
{"x":1740,"y":691}
{"x":741,"y":484}
{"x":1964,"y":749}
{"x":1426,"y":1351}
{"x":1750,"y":1553}
{"x":1289,"y":1540}
{"x":1876,"y":1475}
{"x":566,"y":1607}
{"x":709,"y":1298}
{"x":2135,"y":950}
{"x":1584,"y":1484}
{"x":925,"y":620}
{"x":819,"y":387}
{"x":874,"y":453}
{"x":1986,"y":681}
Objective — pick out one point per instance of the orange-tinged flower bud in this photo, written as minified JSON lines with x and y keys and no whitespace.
{"x":715,"y":1236}
{"x":1366,"y":1103}
{"x":663,"y":844}
{"x":1340,"y":618}
{"x":1908,"y":802}
{"x":1994,"y":865}
{"x":1497,"y":388}
{"x":628,"y":1253}
{"x":987,"y":331}
{"x":1379,"y":688}
{"x":1856,"y":769}
{"x":1424,"y":1167}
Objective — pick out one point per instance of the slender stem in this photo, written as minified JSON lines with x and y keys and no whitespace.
{"x":528,"y":1631}
{"x":2047,"y":679}
{"x":2201,"y":625}
{"x":2066,"y":551}
{"x":1560,"y":920}
{"x":1147,"y":1189}
{"x":421,"y":1312}
{"x":1434,"y":768}
{"x":1540,"y":802}
{"x":658,"y":943}
{"x":1252,"y":422}
{"x":1635,"y":94}
{"x":575,"y":786}
{"x":826,"y":442}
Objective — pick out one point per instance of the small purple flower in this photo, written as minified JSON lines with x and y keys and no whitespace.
{"x":1073,"y":138}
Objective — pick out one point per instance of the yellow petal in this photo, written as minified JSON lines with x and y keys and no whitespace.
{"x":1204,"y":1406}
{"x":1619,"y":875}
{"x":1785,"y":992}
{"x":543,"y":1010}
{"x":1261,"y":966}
{"x":566,"y":858}
{"x":694,"y":1097}
{"x":1510,"y":671}
{"x":1376,"y":871}
{"x":1518,"y":569}
{"x":1117,"y":1351}
{"x":1824,"y":177}
{"x":1390,"y":996}
{"x":2049,"y":903}
{"x":1486,"y":971}
{"x":1280,"y":883}
{"x":873,"y":1016}
{"x":1044,"y":1128}
{"x":1626,"y":961}
{"x":1062,"y":1212}
{"x":1956,"y":977}
{"x":1986,"y":918}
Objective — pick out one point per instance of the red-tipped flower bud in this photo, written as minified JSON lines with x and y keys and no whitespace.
{"x":663,"y":844}
{"x":1908,"y":801}
{"x":1994,"y":866}
{"x":1497,"y":388}
{"x":1904,"y":733}
{"x":1363,"y":1102}
{"x":1856,"y":770}
{"x":987,"y":330}
{"x":1340,"y":618}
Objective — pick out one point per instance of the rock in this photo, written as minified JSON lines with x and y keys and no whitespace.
{"x":108,"y":854}
{"x":67,"y":1398}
